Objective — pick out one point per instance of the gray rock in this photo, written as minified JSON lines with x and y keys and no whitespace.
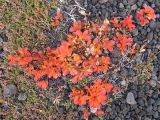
{"x":1,"y":42}
{"x":158,"y":15}
{"x":81,"y":1}
{"x":121,"y":5}
{"x":150,"y":36}
{"x":61,"y":110}
{"x":49,"y":104}
{"x":131,"y":2}
{"x":118,"y":118}
{"x":153,"y":24}
{"x":158,"y":47}
{"x":155,"y":95}
{"x":134,"y":7}
{"x":22,"y":97}
{"x":103,"y":1}
{"x":158,"y":109}
{"x":148,"y":30}
{"x":123,"y":14}
{"x":140,"y":102}
{"x":139,"y":3}
{"x":144,"y":32}
{"x":93,"y":110}
{"x":149,"y":108}
{"x":147,"y":118}
{"x":153,"y":83}
{"x":151,"y":101}
{"x":135,"y":32}
{"x":9,"y":90}
{"x":154,"y":77}
{"x":155,"y":108}
{"x":158,"y":101}
{"x":130,"y":99}
{"x":155,"y":115}
{"x":123,"y":83}
{"x":150,"y":0}
{"x":153,"y":5}
{"x":95,"y":118}
{"x":108,"y":109}
{"x":94,"y":2}
{"x":5,"y":107}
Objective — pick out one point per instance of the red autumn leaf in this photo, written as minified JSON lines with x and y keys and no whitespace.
{"x":95,"y":27}
{"x":95,"y":47}
{"x":64,"y":50}
{"x":100,"y":113}
{"x":13,"y":59}
{"x":85,"y":113}
{"x":55,"y":23}
{"x":108,"y":87}
{"x":133,"y":49}
{"x":78,"y":97}
{"x":108,"y":44}
{"x":59,"y":16}
{"x":76,"y":26}
{"x":84,"y":36}
{"x":43,"y":84}
{"x":38,"y":74}
{"x":96,"y":94}
{"x":127,"y":23}
{"x":22,"y":59}
{"x":123,"y":42}
{"x":145,"y":15}
{"x":115,"y":22}
{"x":149,"y":12}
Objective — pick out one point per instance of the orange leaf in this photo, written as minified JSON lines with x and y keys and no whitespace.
{"x":43,"y":84}
{"x":99,"y":113}
{"x":55,"y":23}
{"x":59,"y":16}
{"x":108,"y":87}
{"x":85,"y":113}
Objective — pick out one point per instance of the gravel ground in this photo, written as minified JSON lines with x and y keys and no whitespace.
{"x":139,"y":101}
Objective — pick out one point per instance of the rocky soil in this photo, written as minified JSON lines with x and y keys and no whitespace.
{"x":140,"y":96}
{"x":141,"y":100}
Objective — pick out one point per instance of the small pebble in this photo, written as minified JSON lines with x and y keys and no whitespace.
{"x":134,"y":7}
{"x":22,"y":97}
{"x":121,"y":5}
{"x":153,"y":83}
{"x":155,"y":115}
{"x":150,"y":36}
{"x":130,"y":99}
{"x":135,"y":32}
{"x":9,"y":90}
{"x":103,"y":1}
{"x":93,"y":110}
{"x":123,"y":83}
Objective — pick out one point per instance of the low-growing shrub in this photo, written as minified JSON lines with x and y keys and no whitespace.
{"x":84,"y":52}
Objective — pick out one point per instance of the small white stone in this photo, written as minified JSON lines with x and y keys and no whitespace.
{"x":130,"y":99}
{"x":153,"y":83}
{"x":123,"y":83}
{"x":103,"y":1}
{"x":93,"y":110}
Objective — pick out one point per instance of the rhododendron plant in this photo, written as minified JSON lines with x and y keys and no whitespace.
{"x":94,"y":95}
{"x":145,"y":15}
{"x":84,"y":51}
{"x":127,"y":23}
{"x":57,"y":18}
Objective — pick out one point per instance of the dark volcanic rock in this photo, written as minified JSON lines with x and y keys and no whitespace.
{"x":9,"y":90}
